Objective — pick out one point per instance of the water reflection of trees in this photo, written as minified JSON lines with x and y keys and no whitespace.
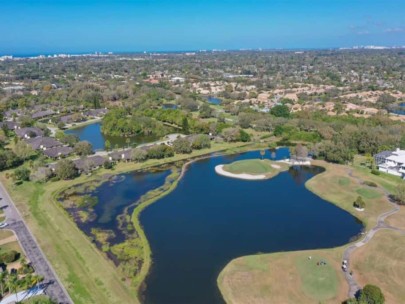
{"x":301,"y":174}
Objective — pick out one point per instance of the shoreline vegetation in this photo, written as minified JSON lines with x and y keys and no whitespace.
{"x":77,"y":125}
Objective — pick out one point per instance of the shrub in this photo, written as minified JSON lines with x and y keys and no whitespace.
{"x":371,"y":294}
{"x":22,"y":174}
{"x":182,"y":145}
{"x":400,"y":193}
{"x":375,"y":172}
{"x":201,"y":141}
{"x":9,"y":256}
{"x":359,"y":203}
{"x":160,"y":151}
{"x":280,"y":111}
{"x":139,"y":155}
{"x":108,"y":165}
{"x":65,"y":169}
{"x":83,"y":148}
{"x":244,"y":136}
{"x":371,"y":184}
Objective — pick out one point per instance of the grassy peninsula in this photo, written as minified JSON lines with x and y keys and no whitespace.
{"x":291,"y":277}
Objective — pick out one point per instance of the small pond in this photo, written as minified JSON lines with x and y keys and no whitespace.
{"x":92,"y":133}
{"x":171,"y":106}
{"x":398,"y":109}
{"x":214,"y":100}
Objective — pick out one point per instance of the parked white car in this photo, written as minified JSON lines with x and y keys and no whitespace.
{"x":4,"y":224}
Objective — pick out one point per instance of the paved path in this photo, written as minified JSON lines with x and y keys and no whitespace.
{"x":23,"y":295}
{"x":354,"y":287}
{"x":32,"y":250}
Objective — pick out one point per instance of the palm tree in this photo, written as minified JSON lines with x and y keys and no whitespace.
{"x":3,"y":276}
{"x":35,"y":279}
{"x":13,"y":285}
{"x":262,"y":152}
{"x":107,"y":145}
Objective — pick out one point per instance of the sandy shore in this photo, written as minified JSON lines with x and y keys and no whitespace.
{"x":219,"y":170}
{"x":295,"y":162}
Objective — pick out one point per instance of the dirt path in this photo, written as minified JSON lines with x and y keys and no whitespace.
{"x":354,"y":287}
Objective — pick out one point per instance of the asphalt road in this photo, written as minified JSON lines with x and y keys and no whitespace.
{"x":54,"y":287}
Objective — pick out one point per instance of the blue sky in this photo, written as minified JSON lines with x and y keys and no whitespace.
{"x":48,"y":26}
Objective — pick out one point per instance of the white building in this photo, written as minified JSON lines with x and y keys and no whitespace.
{"x":178,"y":79}
{"x":392,"y":162}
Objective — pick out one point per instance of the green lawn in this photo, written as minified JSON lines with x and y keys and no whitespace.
{"x":256,"y":167}
{"x":368,"y":193}
{"x":318,"y":281}
{"x":42,"y":299}
{"x":344,"y":181}
{"x":11,"y":246}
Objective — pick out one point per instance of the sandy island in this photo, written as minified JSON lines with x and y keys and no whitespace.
{"x":219,"y":170}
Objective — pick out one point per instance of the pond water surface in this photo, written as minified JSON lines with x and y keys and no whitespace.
{"x":209,"y":220}
{"x":214,"y":100}
{"x":398,"y":109}
{"x":115,"y":195}
{"x":92,"y":133}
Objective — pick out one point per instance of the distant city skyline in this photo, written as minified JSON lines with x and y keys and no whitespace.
{"x":47,"y":27}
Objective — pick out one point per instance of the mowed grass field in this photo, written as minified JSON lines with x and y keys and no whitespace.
{"x":381,"y":262}
{"x":341,"y":185}
{"x":285,"y":277}
{"x":318,"y":277}
{"x":398,"y":219}
{"x":256,"y":167}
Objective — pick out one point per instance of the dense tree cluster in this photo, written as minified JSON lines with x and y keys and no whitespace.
{"x":83,"y":148}
{"x":8,"y":159}
{"x":65,"y":169}
{"x":160,"y":151}
{"x":119,"y":122}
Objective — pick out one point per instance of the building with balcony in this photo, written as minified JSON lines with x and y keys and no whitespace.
{"x":391,"y":162}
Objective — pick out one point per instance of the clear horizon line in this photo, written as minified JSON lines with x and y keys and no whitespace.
{"x":106,"y":52}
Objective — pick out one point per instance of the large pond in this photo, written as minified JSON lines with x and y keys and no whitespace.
{"x":92,"y":133}
{"x":209,"y":219}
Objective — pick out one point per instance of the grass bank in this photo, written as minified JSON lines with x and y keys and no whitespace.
{"x":145,"y":201}
{"x":290,"y":278}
